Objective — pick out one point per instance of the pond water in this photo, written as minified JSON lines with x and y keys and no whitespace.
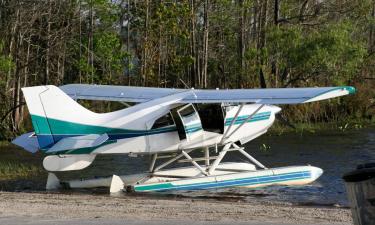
{"x":336,"y":152}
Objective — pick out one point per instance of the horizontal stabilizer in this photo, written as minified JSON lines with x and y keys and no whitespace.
{"x":79,"y":142}
{"x":27,"y":141}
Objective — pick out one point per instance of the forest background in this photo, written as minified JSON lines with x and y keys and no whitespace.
{"x":204,"y":43}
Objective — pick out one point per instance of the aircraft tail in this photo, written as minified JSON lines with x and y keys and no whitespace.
{"x":54,"y":114}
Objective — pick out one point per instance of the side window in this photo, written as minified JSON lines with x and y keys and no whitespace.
{"x":163,"y":121}
{"x":190,"y":119}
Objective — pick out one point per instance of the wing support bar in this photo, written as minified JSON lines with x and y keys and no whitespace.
{"x":231,"y":123}
{"x":243,"y":123}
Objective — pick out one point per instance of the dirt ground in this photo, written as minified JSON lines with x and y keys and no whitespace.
{"x":63,"y":208}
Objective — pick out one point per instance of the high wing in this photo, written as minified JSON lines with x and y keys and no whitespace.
{"x":261,"y":96}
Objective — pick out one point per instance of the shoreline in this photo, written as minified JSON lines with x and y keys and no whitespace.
{"x":21,"y":207}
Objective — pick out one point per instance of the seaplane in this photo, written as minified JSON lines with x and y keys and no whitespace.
{"x":194,"y":127}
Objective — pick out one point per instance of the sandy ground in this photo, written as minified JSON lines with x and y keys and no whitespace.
{"x":87,"y":209}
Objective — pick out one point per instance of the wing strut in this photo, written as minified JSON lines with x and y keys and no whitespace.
{"x":231,"y":123}
{"x":244,"y":122}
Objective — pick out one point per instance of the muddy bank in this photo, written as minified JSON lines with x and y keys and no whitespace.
{"x":21,"y":206}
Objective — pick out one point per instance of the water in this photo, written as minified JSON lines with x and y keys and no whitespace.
{"x":335,"y":152}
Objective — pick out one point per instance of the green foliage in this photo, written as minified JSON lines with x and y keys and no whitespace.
{"x":157,"y":43}
{"x":107,"y":48}
{"x":6,"y":62}
{"x":329,"y":52}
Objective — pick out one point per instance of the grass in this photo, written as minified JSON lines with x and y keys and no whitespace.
{"x":310,"y":128}
{"x":16,"y":170}
{"x":16,"y":163}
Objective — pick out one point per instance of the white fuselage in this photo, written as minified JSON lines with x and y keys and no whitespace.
{"x":170,"y":141}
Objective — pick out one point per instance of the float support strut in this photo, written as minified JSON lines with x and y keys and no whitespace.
{"x":247,"y":155}
{"x":219,"y":158}
{"x":194,"y":163}
{"x":153,"y":160}
{"x":170,"y":161}
{"x":207,"y":156}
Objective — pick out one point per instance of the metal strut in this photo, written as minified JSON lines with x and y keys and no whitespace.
{"x":247,"y":155}
{"x":209,"y":168}
{"x":153,"y":161}
{"x":233,"y":147}
{"x":231,"y":123}
{"x":194,"y":163}
{"x":247,"y":119}
{"x":170,"y":161}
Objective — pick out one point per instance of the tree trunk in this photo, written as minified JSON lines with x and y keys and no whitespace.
{"x":255,"y":21}
{"x":63,"y":64}
{"x":11,"y":47}
{"x":25,"y":74}
{"x":47,"y":75}
{"x":160,"y":51}
{"x":17,"y":85}
{"x":262,"y":41}
{"x":241,"y":43}
{"x":92,"y":42}
{"x":128,"y":44}
{"x":145,"y":46}
{"x":274,"y":69}
{"x":193,"y":50}
{"x":302,"y":11}
{"x":80,"y":40}
{"x":371,"y":42}
{"x":205,"y":45}
{"x":276,"y":12}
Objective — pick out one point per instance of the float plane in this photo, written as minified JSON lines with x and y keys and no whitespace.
{"x":171,"y":126}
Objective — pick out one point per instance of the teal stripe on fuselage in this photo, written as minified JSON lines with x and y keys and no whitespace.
{"x":48,"y":133}
{"x":69,"y":128}
{"x":193,"y":128}
{"x":254,"y":118}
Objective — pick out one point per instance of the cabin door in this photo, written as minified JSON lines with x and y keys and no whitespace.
{"x":191,"y":121}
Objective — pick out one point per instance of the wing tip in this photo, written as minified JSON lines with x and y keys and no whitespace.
{"x":350,"y":89}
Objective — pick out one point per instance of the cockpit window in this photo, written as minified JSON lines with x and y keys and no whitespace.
{"x":163,"y":121}
{"x":187,"y":111}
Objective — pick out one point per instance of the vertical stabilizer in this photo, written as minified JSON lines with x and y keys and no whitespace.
{"x":38,"y":117}
{"x":54,"y":114}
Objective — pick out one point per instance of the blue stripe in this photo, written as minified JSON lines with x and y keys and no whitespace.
{"x":254,"y":118}
{"x":193,"y":128}
{"x":242,"y":182}
{"x":44,"y":139}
